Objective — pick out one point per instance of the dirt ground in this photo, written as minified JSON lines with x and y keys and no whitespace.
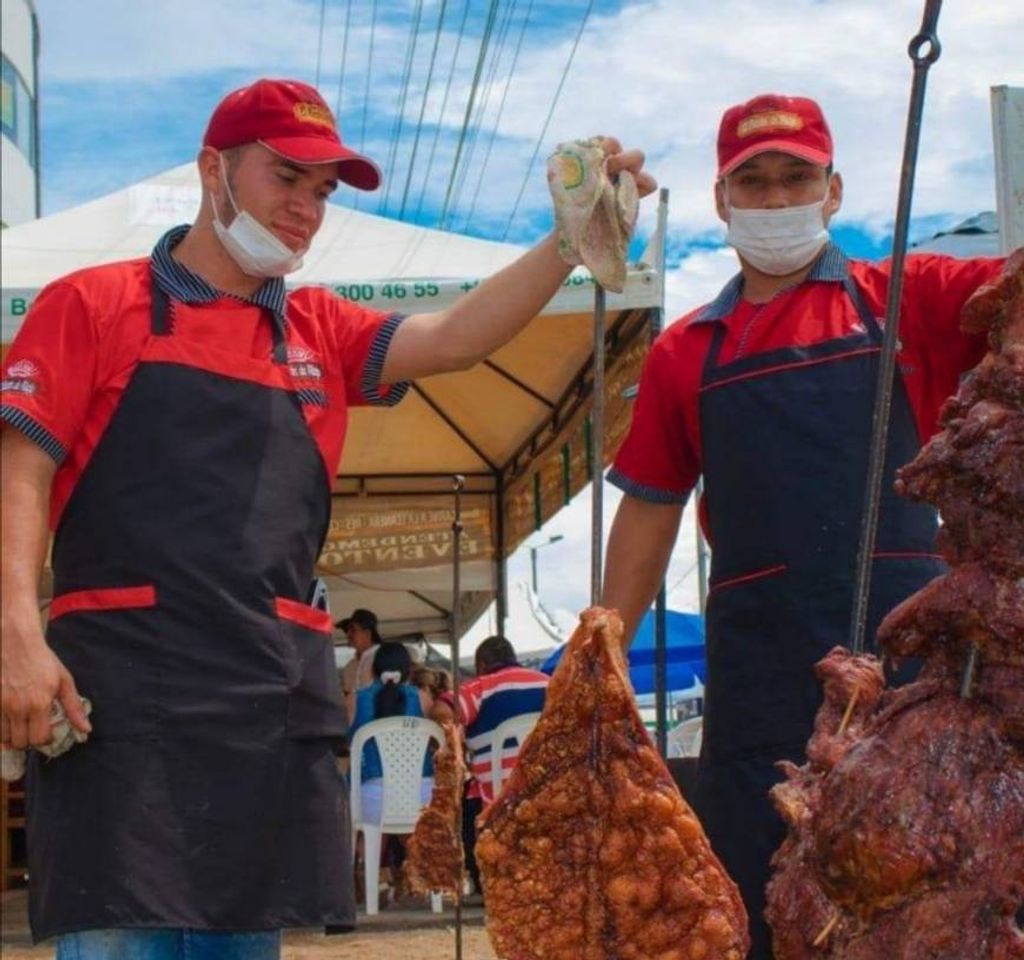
{"x":398,"y":945}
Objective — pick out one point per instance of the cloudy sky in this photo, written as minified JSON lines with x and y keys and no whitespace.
{"x":127,"y":85}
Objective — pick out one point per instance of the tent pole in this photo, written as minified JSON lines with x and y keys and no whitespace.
{"x":597,"y":448}
{"x":661,"y":602}
{"x":458,"y":482}
{"x":501,"y":563}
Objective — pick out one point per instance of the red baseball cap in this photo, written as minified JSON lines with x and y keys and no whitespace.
{"x":291,"y":119}
{"x":793,"y":125}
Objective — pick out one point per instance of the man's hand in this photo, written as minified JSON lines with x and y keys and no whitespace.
{"x":33,"y":678}
{"x":631,"y":160}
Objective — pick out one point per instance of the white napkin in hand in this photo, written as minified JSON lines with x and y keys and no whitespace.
{"x":595,"y":216}
{"x":63,"y":736}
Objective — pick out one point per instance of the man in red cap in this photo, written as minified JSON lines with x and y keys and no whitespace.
{"x":178,"y":419}
{"x":767,"y":393}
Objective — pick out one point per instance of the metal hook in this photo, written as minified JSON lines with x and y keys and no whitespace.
{"x":927,"y":36}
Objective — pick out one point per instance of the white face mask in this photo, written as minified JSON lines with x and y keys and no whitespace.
{"x":778,"y":242}
{"x":251,"y":245}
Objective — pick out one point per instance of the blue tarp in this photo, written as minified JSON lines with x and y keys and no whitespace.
{"x":684,"y":653}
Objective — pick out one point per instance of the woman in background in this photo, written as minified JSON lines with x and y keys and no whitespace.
{"x":390,"y":695}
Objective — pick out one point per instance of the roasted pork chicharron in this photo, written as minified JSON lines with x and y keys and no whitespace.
{"x":590,"y":852}
{"x":906,"y":826}
{"x":435,"y":862}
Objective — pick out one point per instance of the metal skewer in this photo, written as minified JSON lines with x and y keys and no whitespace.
{"x":597,"y":448}
{"x":924,"y":50}
{"x":458,"y":483}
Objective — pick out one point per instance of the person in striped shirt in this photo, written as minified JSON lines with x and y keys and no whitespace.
{"x":501,"y":689}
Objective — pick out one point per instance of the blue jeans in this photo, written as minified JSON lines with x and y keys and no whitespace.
{"x":169,"y":945}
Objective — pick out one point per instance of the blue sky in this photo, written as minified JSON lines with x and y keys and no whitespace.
{"x":127,"y":86}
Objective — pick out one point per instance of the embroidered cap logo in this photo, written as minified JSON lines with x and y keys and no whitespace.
{"x":772,"y":119}
{"x":313,"y":113}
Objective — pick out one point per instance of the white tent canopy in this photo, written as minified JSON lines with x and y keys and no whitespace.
{"x":514,"y":425}
{"x":358,"y":253}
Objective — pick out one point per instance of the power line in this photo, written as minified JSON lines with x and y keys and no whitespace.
{"x":444,"y":104}
{"x":396,"y":130}
{"x":366,"y":92}
{"x":501,"y":110}
{"x":344,"y":56}
{"x":485,"y":40}
{"x":320,"y":43}
{"x":481,"y":110}
{"x":423,"y":108}
{"x":544,"y":130}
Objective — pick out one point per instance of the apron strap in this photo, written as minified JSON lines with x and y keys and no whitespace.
{"x":860,"y":305}
{"x":161,"y":321}
{"x":278,"y":336}
{"x":160,"y":317}
{"x":714,"y":349}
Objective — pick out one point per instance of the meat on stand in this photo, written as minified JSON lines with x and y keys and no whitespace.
{"x":906,"y":826}
{"x":590,"y":852}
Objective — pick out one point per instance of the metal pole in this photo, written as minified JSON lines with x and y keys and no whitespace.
{"x":702,"y":552}
{"x":597,"y":449}
{"x":661,"y":601}
{"x":661,"y":671}
{"x":458,"y":482}
{"x":924,"y":50}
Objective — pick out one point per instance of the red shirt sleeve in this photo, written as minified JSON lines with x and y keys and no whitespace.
{"x":49,"y":374}
{"x":936,"y":289}
{"x":470,"y":696}
{"x":362,"y":338}
{"x":658,"y":460}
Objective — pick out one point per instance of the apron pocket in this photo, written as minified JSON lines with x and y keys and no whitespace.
{"x":107,"y":638}
{"x":315,"y":706}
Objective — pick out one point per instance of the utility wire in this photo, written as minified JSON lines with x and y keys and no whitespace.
{"x":544,"y":130}
{"x":484,"y":42}
{"x":344,"y":56}
{"x":366,"y":92}
{"x":320,"y":43}
{"x":481,"y":110}
{"x":396,"y":130}
{"x":444,"y":104}
{"x":423,"y":108}
{"x":501,"y":110}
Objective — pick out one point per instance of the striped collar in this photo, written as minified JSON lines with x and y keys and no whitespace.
{"x":832,"y":266}
{"x":180,"y":283}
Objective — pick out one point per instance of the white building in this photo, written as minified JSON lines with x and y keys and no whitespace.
{"x":19,"y":112}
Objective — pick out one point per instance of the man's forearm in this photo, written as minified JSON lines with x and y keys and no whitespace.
{"x":639,"y":547}
{"x":25,"y":502}
{"x":493,"y":313}
{"x":479,"y":323}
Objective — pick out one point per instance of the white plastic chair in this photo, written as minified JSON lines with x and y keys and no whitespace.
{"x":515,"y":728}
{"x":684,"y":739}
{"x":402,"y":744}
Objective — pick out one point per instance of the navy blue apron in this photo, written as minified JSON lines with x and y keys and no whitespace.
{"x":207,"y":795}
{"x":786,"y":436}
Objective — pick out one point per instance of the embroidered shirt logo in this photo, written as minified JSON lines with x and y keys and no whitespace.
{"x":23,"y":369}
{"x":313,"y":113}
{"x":303,"y":364}
{"x":20,"y":377}
{"x":769,"y":120}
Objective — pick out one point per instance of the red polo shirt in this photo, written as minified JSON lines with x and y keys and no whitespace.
{"x":661,"y":459}
{"x":81,"y":341}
